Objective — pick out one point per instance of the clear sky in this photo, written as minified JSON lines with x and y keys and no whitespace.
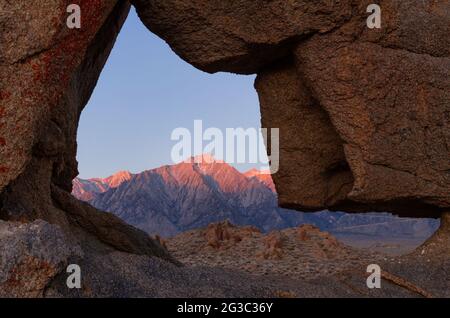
{"x":144,"y":92}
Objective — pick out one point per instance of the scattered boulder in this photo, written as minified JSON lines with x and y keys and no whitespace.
{"x":273,"y":246}
{"x":278,"y":253}
{"x":222,"y":235}
{"x":305,"y":231}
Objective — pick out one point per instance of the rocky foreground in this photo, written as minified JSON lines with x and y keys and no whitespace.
{"x":298,"y":253}
{"x":218,"y":261}
{"x":301,"y":261}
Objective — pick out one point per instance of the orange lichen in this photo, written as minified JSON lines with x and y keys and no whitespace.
{"x":53,"y":68}
{"x":29,"y":278}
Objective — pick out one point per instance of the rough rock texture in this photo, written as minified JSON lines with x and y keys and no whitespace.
{"x":238,"y":36}
{"x":32,"y":255}
{"x":34,"y":258}
{"x":395,"y":128}
{"x":388,"y":98}
{"x":47,"y":74}
{"x":363,"y":113}
{"x":313,"y":171}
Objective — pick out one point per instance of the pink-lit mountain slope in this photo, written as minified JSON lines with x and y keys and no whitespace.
{"x":176,"y":198}
{"x":86,"y":190}
{"x":191,"y":194}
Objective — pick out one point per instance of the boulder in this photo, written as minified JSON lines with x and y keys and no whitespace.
{"x":32,"y":256}
{"x":240,"y":36}
{"x":222,"y":235}
{"x":47,"y":74}
{"x":273,"y":246}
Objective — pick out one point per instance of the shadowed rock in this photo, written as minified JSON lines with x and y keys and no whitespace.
{"x":238,"y":36}
{"x":32,"y":256}
{"x":47,"y":74}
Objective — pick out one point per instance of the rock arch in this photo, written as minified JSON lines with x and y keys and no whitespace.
{"x":364,"y":113}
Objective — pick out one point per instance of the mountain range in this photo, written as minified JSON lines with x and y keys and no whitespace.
{"x":192,"y":194}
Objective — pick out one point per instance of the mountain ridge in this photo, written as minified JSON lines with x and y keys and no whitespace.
{"x":194,"y":193}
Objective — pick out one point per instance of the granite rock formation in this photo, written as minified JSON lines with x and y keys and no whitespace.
{"x":32,"y":255}
{"x":374,"y":103}
{"x":47,"y":74}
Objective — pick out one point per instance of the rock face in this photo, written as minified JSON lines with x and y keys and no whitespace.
{"x":47,"y":74}
{"x":32,"y":255}
{"x":363,"y":113}
{"x":238,"y":36}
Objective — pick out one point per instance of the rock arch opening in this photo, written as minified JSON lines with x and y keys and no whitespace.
{"x":144,"y":94}
{"x":319,"y":175}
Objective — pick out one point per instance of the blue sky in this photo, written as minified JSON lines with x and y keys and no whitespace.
{"x":144,"y":92}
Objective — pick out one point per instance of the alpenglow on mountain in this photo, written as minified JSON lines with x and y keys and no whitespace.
{"x":171,"y":199}
{"x":192,"y":194}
